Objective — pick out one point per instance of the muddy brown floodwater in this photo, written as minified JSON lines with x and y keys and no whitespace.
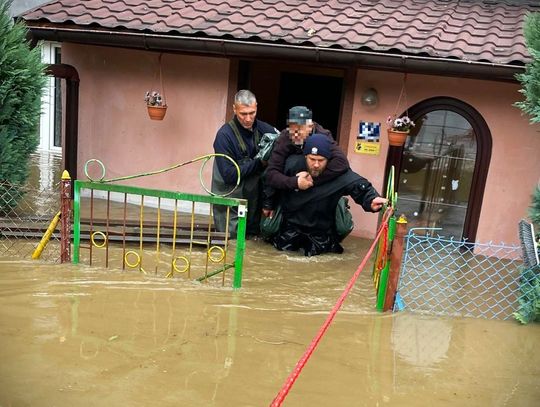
{"x":72,"y":335}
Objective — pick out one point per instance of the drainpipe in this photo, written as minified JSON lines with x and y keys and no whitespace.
{"x":70,"y":74}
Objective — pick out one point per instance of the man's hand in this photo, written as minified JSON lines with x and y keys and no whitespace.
{"x":378,"y":203}
{"x":269,"y":213}
{"x":304,"y":180}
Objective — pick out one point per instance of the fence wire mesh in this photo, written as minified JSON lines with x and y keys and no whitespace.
{"x":25,"y":214}
{"x":446,"y":277}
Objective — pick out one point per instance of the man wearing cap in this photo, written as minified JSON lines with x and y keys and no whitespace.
{"x":309,"y":215}
{"x":239,"y":140}
{"x":290,"y":141}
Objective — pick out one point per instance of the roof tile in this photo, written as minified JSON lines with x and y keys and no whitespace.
{"x":476,"y":30}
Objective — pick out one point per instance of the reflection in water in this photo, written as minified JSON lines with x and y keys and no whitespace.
{"x":421,"y":341}
{"x":45,"y":173}
{"x":75,"y":335}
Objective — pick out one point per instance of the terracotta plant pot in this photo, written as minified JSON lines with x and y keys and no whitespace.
{"x":397,"y":138}
{"x":157,"y":112}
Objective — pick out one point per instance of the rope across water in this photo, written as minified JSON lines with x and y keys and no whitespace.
{"x":278,"y":400}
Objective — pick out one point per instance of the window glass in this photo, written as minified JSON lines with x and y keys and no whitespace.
{"x":437,"y":171}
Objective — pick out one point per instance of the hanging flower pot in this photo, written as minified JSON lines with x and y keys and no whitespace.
{"x":397,"y":138}
{"x":399,"y":127}
{"x":156,"y":112}
{"x":398,"y":130}
{"x":154,"y":104}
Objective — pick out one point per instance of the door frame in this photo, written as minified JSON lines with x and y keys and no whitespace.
{"x":241,"y":76}
{"x":483,"y":154}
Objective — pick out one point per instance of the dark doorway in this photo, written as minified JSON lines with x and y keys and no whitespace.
{"x":322,"y":94}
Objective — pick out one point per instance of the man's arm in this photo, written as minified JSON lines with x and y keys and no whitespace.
{"x":270,"y":197}
{"x":276,"y":165}
{"x":223,"y":144}
{"x":363,"y":193}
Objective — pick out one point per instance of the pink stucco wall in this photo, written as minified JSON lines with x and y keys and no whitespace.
{"x":114,"y":126}
{"x":515,"y":161}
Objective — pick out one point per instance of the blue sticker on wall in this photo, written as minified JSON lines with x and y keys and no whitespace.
{"x":368,"y":139}
{"x":370,"y":132}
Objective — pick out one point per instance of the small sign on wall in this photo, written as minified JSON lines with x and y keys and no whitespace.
{"x":368,"y":140}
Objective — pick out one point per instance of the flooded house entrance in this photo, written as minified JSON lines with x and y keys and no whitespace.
{"x":443,"y":167}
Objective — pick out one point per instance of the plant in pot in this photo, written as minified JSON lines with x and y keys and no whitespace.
{"x":155,"y":105}
{"x":398,"y":129}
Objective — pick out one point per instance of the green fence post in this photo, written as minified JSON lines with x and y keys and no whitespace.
{"x":383,"y":280}
{"x":240,"y":245}
{"x":76,"y":221}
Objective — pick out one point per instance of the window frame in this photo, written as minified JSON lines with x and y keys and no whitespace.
{"x":48,"y":102}
{"x":483,"y":154}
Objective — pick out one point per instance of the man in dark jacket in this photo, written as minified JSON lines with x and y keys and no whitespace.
{"x":238,"y":139}
{"x":290,"y":141}
{"x":309,"y":215}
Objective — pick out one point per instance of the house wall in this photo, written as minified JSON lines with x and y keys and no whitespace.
{"x":114,"y":126}
{"x":515,"y":161}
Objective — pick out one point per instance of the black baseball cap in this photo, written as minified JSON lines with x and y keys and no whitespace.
{"x":300,"y":115}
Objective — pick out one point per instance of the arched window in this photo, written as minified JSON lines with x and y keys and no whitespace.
{"x":443,"y":167}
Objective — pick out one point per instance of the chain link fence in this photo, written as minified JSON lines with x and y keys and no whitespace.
{"x":447,"y":277}
{"x":26,"y":212}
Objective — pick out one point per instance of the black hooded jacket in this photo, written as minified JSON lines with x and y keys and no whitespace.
{"x":314,"y":209}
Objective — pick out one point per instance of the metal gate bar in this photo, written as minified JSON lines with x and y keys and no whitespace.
{"x":211,"y":256}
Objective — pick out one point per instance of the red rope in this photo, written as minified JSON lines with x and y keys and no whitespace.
{"x":383,"y":240}
{"x":382,"y":256}
{"x":303,"y":360}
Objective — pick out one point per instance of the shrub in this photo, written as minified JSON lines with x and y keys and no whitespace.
{"x":529,"y":298}
{"x":534,"y":210}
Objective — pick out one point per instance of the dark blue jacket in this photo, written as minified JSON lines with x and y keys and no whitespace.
{"x":227,"y":143}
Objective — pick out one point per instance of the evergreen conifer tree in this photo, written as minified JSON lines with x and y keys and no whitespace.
{"x":22,"y":81}
{"x":530,"y":79}
{"x":529,"y":299}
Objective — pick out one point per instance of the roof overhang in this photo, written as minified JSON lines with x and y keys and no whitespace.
{"x":250,"y":49}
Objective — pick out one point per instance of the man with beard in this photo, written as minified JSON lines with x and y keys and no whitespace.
{"x":300,"y":126}
{"x":309,"y":220}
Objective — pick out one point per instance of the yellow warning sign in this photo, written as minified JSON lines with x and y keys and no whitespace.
{"x":367,"y":147}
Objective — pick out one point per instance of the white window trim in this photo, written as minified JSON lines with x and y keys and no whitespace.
{"x":46,"y":128}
